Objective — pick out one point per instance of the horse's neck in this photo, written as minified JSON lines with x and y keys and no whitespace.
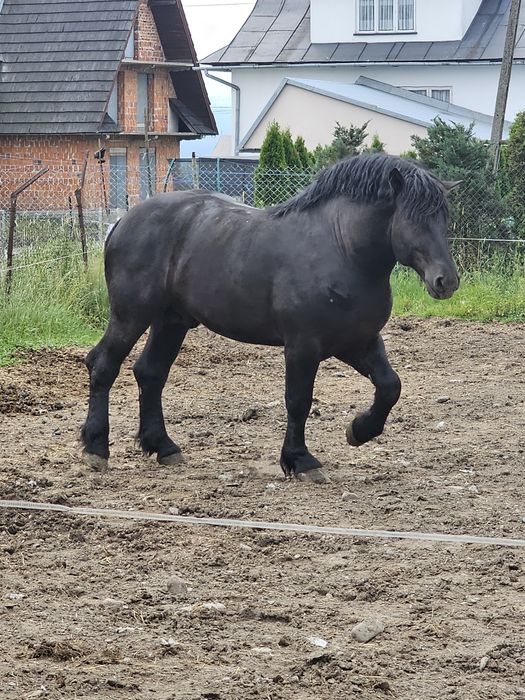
{"x":363,"y":235}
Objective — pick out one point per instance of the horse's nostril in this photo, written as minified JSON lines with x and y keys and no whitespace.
{"x":439,"y":284}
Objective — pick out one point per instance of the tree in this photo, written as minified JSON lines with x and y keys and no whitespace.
{"x":293,"y":162}
{"x":347,"y":141}
{"x":377,"y":146}
{"x":284,"y":167}
{"x":269,"y":174}
{"x":272,"y":155}
{"x":512,"y":173}
{"x":452,"y":152}
{"x":307,"y":159}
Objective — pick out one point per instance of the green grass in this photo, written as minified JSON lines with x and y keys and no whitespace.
{"x":54,"y":304}
{"x":60,"y":303}
{"x":490,"y":295}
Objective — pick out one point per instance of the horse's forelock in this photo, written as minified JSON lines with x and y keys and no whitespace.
{"x":365,"y":179}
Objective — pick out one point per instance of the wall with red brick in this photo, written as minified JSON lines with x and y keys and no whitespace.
{"x":20,"y":157}
{"x":161,"y":89}
{"x":147,"y":42}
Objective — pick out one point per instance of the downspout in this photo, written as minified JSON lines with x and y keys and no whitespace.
{"x":237,"y":106}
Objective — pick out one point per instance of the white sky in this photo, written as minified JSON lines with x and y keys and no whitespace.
{"x":213,"y":24}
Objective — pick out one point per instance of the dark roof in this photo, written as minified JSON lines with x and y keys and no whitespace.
{"x":59,"y":60}
{"x":278,"y":31}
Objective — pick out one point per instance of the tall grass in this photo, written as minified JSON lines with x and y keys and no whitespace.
{"x":492,"y":288}
{"x":61,"y":303}
{"x":53,"y":303}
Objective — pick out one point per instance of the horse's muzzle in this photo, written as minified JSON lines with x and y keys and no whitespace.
{"x":442,"y":286}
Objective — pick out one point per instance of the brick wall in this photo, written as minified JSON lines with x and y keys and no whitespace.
{"x":147,"y":43}
{"x":20,"y":157}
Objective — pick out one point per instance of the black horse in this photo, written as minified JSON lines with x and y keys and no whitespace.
{"x":312,"y":275}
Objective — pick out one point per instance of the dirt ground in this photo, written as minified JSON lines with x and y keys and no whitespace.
{"x":85,"y":610}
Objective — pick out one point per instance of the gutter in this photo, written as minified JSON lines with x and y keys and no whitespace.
{"x":237,"y":89}
{"x":358,"y":64}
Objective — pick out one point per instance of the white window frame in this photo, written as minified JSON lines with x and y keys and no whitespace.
{"x":428,"y":90}
{"x":376,"y":29}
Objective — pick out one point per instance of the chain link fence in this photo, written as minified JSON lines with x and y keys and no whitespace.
{"x":71,"y":201}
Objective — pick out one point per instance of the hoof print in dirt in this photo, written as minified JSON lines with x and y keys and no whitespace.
{"x":95,"y":462}
{"x":314,"y":476}
{"x":171,"y":460}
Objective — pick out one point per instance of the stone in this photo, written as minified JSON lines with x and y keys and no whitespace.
{"x":483,"y":662}
{"x":317,"y":642}
{"x":249,"y":414}
{"x":442,"y":399}
{"x":349,"y":496}
{"x":113,"y":603}
{"x":367,"y":630}
{"x":177,"y":588}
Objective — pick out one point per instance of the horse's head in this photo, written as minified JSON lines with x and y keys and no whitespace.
{"x":419,"y":230}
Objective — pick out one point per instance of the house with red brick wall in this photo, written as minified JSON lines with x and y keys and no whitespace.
{"x":114,"y":78}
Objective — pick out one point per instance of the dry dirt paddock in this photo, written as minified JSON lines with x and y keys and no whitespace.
{"x":85,"y":610}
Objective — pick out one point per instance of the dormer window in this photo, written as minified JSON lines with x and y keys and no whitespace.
{"x":378,"y":16}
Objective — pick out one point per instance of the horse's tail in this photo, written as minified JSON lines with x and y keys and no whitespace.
{"x":110,"y":230}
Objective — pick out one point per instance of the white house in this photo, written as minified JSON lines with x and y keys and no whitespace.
{"x":446,"y":50}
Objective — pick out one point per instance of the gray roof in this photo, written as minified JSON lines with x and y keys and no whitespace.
{"x":382,"y":98}
{"x":59,"y":60}
{"x":278,"y":31}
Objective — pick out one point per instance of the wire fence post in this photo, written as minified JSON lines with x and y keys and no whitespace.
{"x":12,"y":226}
{"x":80,"y":208}
{"x":194,"y":171}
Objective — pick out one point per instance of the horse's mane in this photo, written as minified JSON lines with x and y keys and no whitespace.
{"x":365,"y":179}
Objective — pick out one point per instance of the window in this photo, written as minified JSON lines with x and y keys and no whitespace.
{"x":143,"y":81}
{"x":366,"y":15}
{"x":443,"y":94}
{"x":118,"y":179}
{"x":405,"y":16}
{"x":386,"y":16}
{"x":147,"y":171}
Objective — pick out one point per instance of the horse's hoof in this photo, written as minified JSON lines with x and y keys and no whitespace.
{"x":351,"y":438}
{"x":171,"y":460}
{"x":313,"y":476}
{"x":95,"y":462}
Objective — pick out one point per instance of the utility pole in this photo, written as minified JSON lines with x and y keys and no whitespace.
{"x":504,"y":82}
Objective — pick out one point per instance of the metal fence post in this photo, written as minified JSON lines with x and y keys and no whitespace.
{"x":81,"y":223}
{"x":12,"y":225}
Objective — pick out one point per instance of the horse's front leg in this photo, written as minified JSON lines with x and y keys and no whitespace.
{"x":374,"y":364}
{"x":302,"y":362}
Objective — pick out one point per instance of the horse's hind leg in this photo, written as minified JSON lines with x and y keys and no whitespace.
{"x":373,"y":364}
{"x":104,"y":362}
{"x":302,"y":363}
{"x":151,"y":372}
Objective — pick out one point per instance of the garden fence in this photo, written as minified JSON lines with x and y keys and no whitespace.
{"x":73,"y":201}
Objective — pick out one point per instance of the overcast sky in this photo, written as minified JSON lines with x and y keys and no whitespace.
{"x":213,"y":24}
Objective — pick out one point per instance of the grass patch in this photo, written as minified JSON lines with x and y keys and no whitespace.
{"x":53,"y":304}
{"x":490,"y":295}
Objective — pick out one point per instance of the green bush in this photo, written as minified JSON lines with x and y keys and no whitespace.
{"x":512,"y":174}
{"x":347,"y":141}
{"x":452,"y":152}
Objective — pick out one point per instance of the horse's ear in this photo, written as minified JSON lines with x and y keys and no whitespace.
{"x":397,"y":182}
{"x":450,"y":185}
